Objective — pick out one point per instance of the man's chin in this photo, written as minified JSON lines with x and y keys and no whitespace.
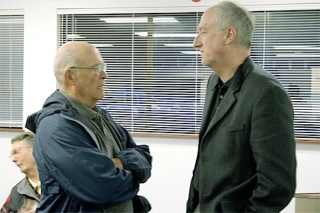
{"x":99,"y":97}
{"x":204,"y":63}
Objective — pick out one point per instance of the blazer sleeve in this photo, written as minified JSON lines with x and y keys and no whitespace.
{"x":273,"y":146}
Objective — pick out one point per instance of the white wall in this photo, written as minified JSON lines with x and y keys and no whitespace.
{"x":167,"y":189}
{"x":173,"y":158}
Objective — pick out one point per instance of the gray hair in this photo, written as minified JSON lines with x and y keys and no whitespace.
{"x":27,"y":137}
{"x":229,"y":14}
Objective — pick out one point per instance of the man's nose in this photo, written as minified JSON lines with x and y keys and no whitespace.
{"x":13,"y":158}
{"x":104,"y":74}
{"x":196,"y":42}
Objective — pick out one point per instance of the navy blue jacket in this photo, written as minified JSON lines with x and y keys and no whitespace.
{"x":75,"y":175}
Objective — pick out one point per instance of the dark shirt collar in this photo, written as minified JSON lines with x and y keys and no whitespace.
{"x":233,"y":82}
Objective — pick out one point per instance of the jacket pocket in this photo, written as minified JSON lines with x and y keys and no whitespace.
{"x":233,"y":128}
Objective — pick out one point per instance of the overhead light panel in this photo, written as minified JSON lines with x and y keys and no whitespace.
{"x":102,"y":45}
{"x":11,"y":21}
{"x":178,"y":45}
{"x":191,"y":52}
{"x":118,"y":20}
{"x":165,"y":20}
{"x":144,"y":34}
{"x":174,"y":35}
{"x":297,"y":55}
{"x":296,"y":47}
{"x":74,"y":36}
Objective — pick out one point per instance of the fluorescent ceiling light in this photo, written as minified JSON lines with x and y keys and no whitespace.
{"x":165,"y":20}
{"x":103,"y":45}
{"x":174,"y":35}
{"x":300,"y":55}
{"x":178,"y":45}
{"x":144,"y":34}
{"x":11,"y":21}
{"x":297,"y":47}
{"x":191,"y":52}
{"x":70,"y":36}
{"x":139,"y":20}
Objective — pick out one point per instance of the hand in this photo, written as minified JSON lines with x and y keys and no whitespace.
{"x":117,"y":163}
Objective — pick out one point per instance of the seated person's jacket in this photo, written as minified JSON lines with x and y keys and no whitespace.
{"x":22,"y":198}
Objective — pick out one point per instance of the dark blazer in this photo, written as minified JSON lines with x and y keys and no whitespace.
{"x":246,"y":156}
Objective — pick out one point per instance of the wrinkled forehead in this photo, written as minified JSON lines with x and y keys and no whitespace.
{"x":98,"y":56}
{"x":92,"y":57}
{"x":207,"y":17}
{"x":17,"y":144}
{"x":96,"y":53}
{"x":206,"y":22}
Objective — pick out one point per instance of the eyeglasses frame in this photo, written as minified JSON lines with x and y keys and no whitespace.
{"x":17,"y":151}
{"x":97,"y":69}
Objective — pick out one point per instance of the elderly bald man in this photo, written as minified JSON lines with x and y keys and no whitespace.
{"x":87,"y":162}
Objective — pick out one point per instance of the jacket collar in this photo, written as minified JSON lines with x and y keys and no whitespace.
{"x":229,"y":100}
{"x":24,"y":188}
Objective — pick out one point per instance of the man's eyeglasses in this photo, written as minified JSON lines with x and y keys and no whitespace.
{"x":97,"y":69}
{"x":18,"y":151}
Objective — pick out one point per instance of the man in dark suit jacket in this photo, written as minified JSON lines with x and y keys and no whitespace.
{"x":246,"y":156}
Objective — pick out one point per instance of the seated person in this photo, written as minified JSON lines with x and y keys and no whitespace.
{"x":25,"y":195}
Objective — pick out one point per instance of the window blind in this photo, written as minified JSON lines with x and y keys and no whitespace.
{"x":156,"y":82}
{"x":11,"y":70}
{"x":287,"y":44}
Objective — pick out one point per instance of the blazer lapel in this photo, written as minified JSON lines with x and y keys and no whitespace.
{"x":224,"y":107}
{"x":209,"y":102}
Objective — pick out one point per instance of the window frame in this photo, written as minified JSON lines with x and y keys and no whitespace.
{"x":197,"y":10}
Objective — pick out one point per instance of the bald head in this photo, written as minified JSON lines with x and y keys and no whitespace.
{"x":73,"y":54}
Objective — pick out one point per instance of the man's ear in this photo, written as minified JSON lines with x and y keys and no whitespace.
{"x":69,"y":76}
{"x":231,"y":35}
